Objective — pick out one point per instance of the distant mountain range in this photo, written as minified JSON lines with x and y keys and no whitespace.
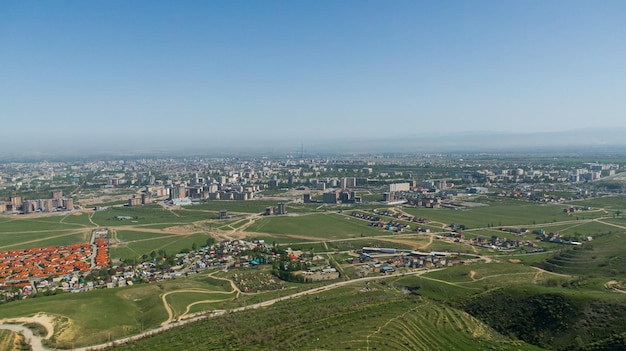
{"x":595,"y":140}
{"x":579,"y":140}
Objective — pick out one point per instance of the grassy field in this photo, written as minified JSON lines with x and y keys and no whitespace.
{"x":94,"y":315}
{"x":14,"y":241}
{"x":250,"y":206}
{"x":316,"y":226}
{"x":210,"y":299}
{"x":615,"y":202}
{"x":508,"y":213}
{"x":400,"y":313}
{"x":145,"y":215}
{"x":379,"y":318}
{"x":172,"y":244}
{"x":604,"y":256}
{"x":32,"y":224}
{"x":99,"y":315}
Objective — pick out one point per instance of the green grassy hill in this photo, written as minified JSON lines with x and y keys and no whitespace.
{"x":563,"y":320}
{"x":603,"y":257}
{"x":376,"y":317}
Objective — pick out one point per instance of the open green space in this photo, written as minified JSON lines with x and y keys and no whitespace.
{"x":96,"y":315}
{"x":211,"y":300}
{"x":345,"y":319}
{"x":21,"y":241}
{"x":404,"y":312}
{"x":129,"y":235}
{"x":77,"y":218}
{"x":316,"y":226}
{"x":33,"y":224}
{"x":508,"y":213}
{"x":101,"y":315}
{"x":171,"y":244}
{"x":604,"y":256}
{"x":151,"y":214}
{"x":614,"y":202}
{"x":249,"y":206}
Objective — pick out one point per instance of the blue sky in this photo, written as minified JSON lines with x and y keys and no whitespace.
{"x":233,"y":72}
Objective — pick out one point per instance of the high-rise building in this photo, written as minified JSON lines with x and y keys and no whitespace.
{"x":30,"y":206}
{"x":57,"y":194}
{"x":134,"y":201}
{"x":348,"y":182}
{"x":16,"y":202}
{"x":330,"y":197}
{"x":146,"y":199}
{"x":281,"y":208}
{"x":69,"y":204}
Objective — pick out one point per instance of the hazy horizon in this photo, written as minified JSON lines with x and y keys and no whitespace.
{"x":148,"y":75}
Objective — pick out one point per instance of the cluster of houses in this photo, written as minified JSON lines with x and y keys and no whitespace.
{"x":248,"y":282}
{"x":401,"y":216}
{"x":19,"y":267}
{"x":497,"y":243}
{"x":388,"y":260}
{"x":556,"y":237}
{"x":573,"y":209}
{"x":27,"y":271}
{"x":393,"y":224}
{"x":433,"y":202}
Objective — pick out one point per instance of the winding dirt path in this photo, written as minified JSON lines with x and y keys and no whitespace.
{"x":170,"y":311}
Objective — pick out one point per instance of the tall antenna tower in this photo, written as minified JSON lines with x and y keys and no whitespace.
{"x":302,"y":151}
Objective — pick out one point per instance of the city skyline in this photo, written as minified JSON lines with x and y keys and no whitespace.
{"x":154,"y":75}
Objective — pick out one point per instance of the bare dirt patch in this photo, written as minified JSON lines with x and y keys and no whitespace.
{"x":180,"y":230}
{"x":177,"y":230}
{"x":42,"y":319}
